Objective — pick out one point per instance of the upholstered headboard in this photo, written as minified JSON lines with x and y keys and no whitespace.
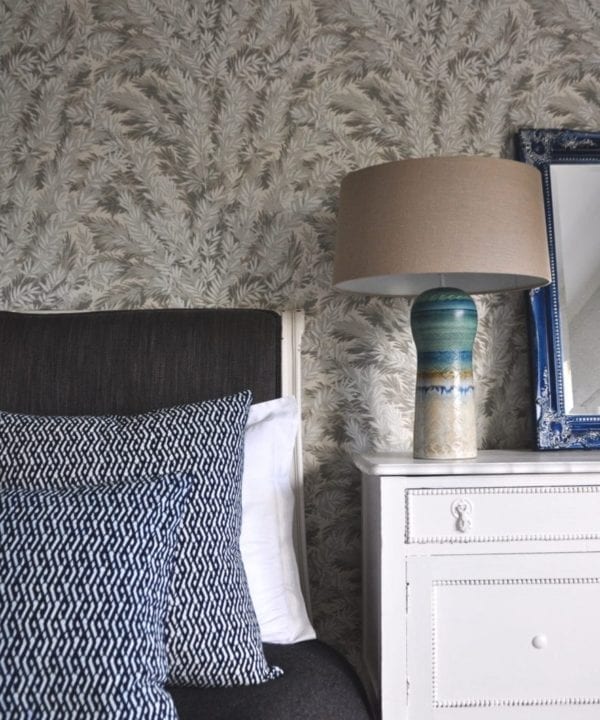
{"x":131,"y":361}
{"x":123,"y":362}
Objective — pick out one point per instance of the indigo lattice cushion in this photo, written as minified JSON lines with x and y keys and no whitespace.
{"x":213,"y":638}
{"x":84,"y":583}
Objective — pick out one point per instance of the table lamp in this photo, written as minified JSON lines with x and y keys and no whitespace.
{"x":441,"y":228}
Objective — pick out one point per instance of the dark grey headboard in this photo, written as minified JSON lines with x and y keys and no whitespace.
{"x":134,"y":360}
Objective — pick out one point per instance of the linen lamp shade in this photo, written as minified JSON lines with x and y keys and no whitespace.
{"x":472,"y":222}
{"x":466,"y":224}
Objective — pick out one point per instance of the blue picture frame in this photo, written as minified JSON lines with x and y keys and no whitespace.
{"x":555,"y":428}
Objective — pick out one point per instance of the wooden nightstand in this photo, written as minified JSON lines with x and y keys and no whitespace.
{"x":482,"y":585}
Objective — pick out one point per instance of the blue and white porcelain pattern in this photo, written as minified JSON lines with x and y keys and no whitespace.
{"x":84,"y":583}
{"x":213,"y":635}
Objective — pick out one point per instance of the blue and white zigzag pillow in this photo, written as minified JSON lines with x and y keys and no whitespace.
{"x":84,"y":586}
{"x":213,"y":637}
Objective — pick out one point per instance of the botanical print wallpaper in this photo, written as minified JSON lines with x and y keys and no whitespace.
{"x":168,"y":153}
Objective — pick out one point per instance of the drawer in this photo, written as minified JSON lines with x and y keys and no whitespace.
{"x":496,"y":514}
{"x":504,"y":634}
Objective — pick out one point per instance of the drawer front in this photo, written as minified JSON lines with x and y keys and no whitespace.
{"x":503,"y":633}
{"x":496,"y":514}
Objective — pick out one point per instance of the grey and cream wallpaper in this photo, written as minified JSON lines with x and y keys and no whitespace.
{"x":166,"y":153}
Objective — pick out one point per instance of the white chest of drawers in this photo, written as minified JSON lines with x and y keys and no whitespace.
{"x":482,"y":586}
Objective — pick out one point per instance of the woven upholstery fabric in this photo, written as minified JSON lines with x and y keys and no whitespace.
{"x":213,"y":636}
{"x":317,"y":684}
{"x":84,"y":580}
{"x":130,"y":361}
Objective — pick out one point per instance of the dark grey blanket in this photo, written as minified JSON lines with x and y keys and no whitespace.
{"x":317,"y":685}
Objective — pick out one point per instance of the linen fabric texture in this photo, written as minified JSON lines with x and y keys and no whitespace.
{"x":213,"y":637}
{"x":267,"y":522}
{"x":84,"y":582}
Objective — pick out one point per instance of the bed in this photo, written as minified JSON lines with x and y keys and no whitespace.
{"x":85,"y":367}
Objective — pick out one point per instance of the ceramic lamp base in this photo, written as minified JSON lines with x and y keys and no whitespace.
{"x":444,"y":323}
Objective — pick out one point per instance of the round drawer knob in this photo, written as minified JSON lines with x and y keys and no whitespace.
{"x":539,"y":642}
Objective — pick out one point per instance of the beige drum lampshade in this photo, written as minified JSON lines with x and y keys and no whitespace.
{"x":469,"y":222}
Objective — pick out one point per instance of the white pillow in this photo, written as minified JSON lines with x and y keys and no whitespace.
{"x":267,"y":522}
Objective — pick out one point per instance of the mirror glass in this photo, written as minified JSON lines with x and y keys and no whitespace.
{"x":575,"y":190}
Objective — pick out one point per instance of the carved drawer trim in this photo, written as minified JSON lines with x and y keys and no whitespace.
{"x":463,"y":522}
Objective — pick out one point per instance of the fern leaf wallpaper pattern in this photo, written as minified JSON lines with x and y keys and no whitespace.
{"x":188,"y":153}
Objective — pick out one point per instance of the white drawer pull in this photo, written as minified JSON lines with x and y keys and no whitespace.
{"x":462,"y":510}
{"x":539,"y":642}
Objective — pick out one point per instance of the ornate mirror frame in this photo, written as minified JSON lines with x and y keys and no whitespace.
{"x":555,"y":428}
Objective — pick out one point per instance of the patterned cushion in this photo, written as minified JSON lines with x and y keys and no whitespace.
{"x":84,"y":582}
{"x":213,"y":636}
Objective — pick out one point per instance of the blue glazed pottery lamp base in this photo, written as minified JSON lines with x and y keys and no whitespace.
{"x":444,"y":323}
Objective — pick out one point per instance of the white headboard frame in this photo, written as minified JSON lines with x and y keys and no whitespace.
{"x":292,"y":327}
